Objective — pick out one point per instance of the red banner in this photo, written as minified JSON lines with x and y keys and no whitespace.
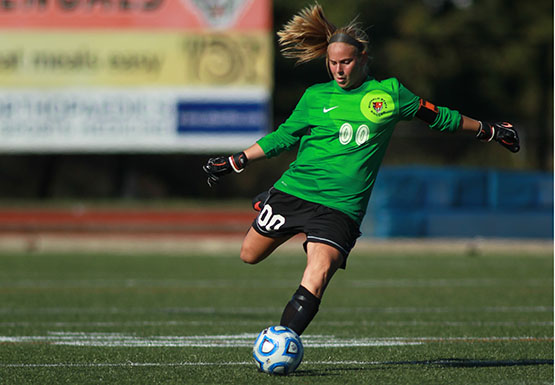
{"x":136,"y":14}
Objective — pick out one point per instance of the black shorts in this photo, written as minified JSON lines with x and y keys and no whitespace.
{"x":285,"y":215}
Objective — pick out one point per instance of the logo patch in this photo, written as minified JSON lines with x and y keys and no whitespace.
{"x":326,"y":110}
{"x":377,"y":106}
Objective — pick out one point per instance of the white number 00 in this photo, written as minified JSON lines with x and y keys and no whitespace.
{"x":346,"y":134}
{"x":267,"y":220}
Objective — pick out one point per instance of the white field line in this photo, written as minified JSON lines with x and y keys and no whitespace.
{"x":217,"y":341}
{"x":125,"y":364}
{"x":240,"y":340}
{"x":270,"y":310}
{"x":130,"y":364}
{"x":203,"y":323}
{"x":7,"y":282}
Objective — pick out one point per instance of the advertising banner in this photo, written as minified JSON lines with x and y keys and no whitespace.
{"x":134,"y":75}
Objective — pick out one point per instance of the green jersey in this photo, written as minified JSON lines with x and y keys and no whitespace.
{"x":343,"y":138}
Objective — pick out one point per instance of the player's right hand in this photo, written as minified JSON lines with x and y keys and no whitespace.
{"x":222,"y":165}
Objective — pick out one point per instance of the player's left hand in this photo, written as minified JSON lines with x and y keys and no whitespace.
{"x":503,"y":133}
{"x":506,"y":135}
{"x":222,"y":165}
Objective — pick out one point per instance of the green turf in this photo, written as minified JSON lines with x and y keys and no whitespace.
{"x":473,"y":320}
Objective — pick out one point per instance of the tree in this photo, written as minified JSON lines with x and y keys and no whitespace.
{"x":490,"y":59}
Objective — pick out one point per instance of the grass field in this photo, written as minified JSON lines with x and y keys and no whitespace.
{"x":191,"y":319}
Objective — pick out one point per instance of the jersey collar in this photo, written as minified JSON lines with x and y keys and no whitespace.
{"x":354,"y":90}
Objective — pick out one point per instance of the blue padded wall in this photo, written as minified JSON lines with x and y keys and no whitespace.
{"x":420,"y":201}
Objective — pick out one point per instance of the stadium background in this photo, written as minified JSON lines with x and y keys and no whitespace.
{"x":489,"y":59}
{"x":119,"y":265}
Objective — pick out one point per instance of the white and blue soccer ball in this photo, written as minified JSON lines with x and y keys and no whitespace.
{"x":278,"y":350}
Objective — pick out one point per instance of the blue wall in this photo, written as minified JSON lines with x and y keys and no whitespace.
{"x":459,"y":202}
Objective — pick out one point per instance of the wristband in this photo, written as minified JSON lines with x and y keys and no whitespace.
{"x":483,"y":135}
{"x":238,"y":161}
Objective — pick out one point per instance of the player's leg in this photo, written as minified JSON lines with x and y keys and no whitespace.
{"x":275,"y":224}
{"x":322,"y":262}
{"x":257,"y":247}
{"x":330,"y":237}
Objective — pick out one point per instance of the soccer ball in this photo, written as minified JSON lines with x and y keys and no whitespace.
{"x":278,"y":350}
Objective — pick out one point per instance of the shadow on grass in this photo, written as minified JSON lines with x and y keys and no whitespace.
{"x":445,"y":363}
{"x":468,"y":363}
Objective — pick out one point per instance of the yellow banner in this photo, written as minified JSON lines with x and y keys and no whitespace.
{"x":120,"y":58}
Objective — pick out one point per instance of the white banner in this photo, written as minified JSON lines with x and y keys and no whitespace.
{"x":195,"y":120}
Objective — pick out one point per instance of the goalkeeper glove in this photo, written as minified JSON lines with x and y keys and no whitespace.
{"x":221,"y":165}
{"x":502,"y":132}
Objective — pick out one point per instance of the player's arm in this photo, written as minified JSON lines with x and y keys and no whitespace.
{"x":502,"y":132}
{"x":223,"y":165}
{"x":284,"y":138}
{"x":254,"y":152}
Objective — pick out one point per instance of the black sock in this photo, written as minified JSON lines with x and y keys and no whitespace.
{"x":300,"y":310}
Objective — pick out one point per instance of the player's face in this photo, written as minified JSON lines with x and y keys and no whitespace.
{"x":346,"y":65}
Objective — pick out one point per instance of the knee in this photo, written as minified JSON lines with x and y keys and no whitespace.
{"x":320,"y":269}
{"x":248,"y":256}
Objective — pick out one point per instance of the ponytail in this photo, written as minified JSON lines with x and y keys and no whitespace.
{"x":307,"y":35}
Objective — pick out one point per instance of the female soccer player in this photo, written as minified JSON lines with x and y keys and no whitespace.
{"x":343,"y":128}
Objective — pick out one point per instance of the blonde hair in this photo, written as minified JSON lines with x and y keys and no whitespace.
{"x":306,"y":36}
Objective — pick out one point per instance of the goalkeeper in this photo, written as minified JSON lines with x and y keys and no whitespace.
{"x":343,"y":128}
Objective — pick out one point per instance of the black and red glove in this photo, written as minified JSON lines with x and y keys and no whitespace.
{"x":222,"y":165}
{"x":503,"y":133}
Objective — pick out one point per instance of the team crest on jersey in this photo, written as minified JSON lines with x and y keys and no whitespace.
{"x":377,"y":106}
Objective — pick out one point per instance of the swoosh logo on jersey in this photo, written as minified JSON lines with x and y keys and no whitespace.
{"x":326,"y":110}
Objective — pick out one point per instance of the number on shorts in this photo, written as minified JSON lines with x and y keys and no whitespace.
{"x":268,"y":220}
